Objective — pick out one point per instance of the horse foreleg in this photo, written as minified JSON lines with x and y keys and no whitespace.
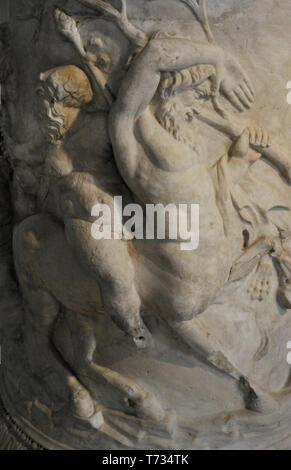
{"x":209,"y":352}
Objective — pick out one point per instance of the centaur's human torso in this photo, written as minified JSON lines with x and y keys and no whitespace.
{"x":170,"y":172}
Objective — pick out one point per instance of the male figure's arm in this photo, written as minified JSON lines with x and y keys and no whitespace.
{"x":243,"y":154}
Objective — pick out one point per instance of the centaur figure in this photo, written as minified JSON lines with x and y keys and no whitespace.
{"x":159,"y":164}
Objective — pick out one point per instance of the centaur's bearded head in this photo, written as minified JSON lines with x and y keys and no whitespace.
{"x":61,"y":92}
{"x":181,"y":94}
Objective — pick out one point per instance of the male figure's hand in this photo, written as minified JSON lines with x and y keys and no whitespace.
{"x":254,"y":137}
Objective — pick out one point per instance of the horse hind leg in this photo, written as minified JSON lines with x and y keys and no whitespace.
{"x":79,"y":355}
{"x":140,"y":402}
{"x":209,"y":352}
{"x":41,"y":312}
{"x":46,"y":363}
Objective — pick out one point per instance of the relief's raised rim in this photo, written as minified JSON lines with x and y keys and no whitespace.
{"x":24,"y":433}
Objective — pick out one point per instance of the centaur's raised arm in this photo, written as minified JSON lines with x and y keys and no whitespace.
{"x":159,"y":56}
{"x":142,"y":81}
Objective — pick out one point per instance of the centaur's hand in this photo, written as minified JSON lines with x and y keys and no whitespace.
{"x":233,"y":83}
{"x":253,"y":137}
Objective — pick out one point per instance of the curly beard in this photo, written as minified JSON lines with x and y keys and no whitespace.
{"x":52,"y":123}
{"x":171,"y":116}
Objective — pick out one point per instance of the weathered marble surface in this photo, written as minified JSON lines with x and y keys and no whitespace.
{"x":116,"y":344}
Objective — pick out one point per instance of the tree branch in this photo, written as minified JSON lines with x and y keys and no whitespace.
{"x":198,"y":7}
{"x":134,"y":34}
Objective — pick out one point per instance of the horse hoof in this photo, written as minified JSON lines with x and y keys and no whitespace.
{"x":257,"y":400}
{"x":81,"y":402}
{"x":95,"y":421}
{"x":264,"y":404}
{"x":147,"y":407}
